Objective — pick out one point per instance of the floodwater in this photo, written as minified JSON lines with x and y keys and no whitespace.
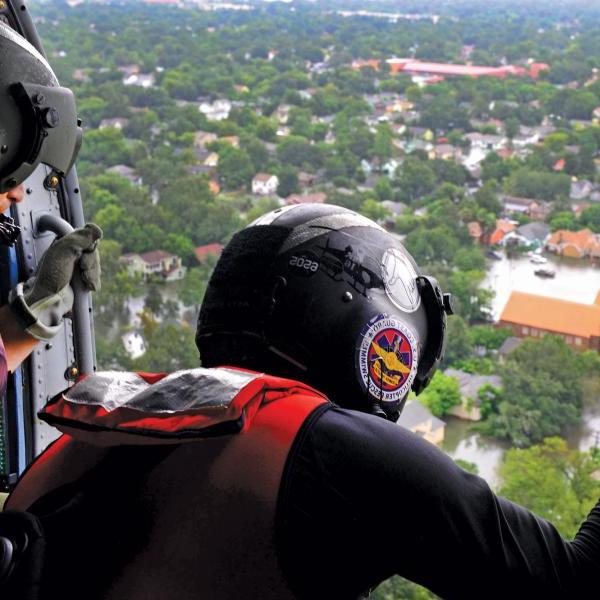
{"x":577,"y":281}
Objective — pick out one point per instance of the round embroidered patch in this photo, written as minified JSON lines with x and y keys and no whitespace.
{"x":400,"y":280}
{"x":387,"y":358}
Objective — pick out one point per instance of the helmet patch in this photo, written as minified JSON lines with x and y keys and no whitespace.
{"x":400,"y":280}
{"x":387,"y":358}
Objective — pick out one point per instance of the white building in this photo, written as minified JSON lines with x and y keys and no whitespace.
{"x":216,"y":111}
{"x":156,"y":264}
{"x":264,"y":184}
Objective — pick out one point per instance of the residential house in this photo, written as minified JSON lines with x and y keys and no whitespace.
{"x":204,"y":138}
{"x":486,"y":141}
{"x":233,"y":140}
{"x":306,"y":180}
{"x":538,"y":210}
{"x":394,"y":208}
{"x":203,"y":252}
{"x":264,"y":184}
{"x":417,"y":418}
{"x":134,"y":344}
{"x":80,"y":75}
{"x":475,"y":231}
{"x":415,"y":144}
{"x":508,"y":345}
{"x":470,"y":384}
{"x":529,"y":315}
{"x":211,"y":161}
{"x":421,"y":132}
{"x":316,"y":198}
{"x":532,"y":235}
{"x":116,"y":123}
{"x":527,"y":136}
{"x":581,"y":189}
{"x":399,"y":106}
{"x":575,"y":244}
{"x":156,"y":264}
{"x":282,"y":113}
{"x":503,"y":226}
{"x":127,"y":172}
{"x":216,"y":111}
{"x":445,"y":152}
{"x":129,"y":70}
{"x":145,"y":80}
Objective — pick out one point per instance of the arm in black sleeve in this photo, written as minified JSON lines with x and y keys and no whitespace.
{"x":363,"y":499}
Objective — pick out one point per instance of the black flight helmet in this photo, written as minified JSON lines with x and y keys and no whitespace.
{"x":38,"y":119}
{"x":319,"y":293}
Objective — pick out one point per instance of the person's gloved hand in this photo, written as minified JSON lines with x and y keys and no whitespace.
{"x":41,"y":302}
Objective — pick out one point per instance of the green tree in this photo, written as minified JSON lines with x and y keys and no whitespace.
{"x":397,"y":588}
{"x":153,"y":302}
{"x":169,"y":347}
{"x":563,"y":220}
{"x":441,"y":394}
{"x":415,"y":179}
{"x":288,"y":181}
{"x":458,"y":345}
{"x":553,"y":481}
{"x":538,"y":399}
{"x":590,"y":217}
{"x":383,"y":189}
{"x":235,"y":167}
{"x":374,"y":210}
{"x":382,"y":145}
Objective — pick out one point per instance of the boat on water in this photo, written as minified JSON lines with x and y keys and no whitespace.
{"x":545,"y":272}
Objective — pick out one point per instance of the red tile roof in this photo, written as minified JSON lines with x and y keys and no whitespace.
{"x":208,"y":250}
{"x":552,"y":314}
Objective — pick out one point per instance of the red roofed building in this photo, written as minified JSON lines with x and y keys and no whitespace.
{"x":416,"y":67}
{"x":528,"y":315}
{"x":203,"y":252}
{"x":503,"y":226}
{"x":358,"y":64}
{"x":559,"y":165}
{"x":536,"y":68}
{"x":575,"y":244}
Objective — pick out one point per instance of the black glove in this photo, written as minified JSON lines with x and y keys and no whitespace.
{"x":21,"y":555}
{"x":41,"y":302}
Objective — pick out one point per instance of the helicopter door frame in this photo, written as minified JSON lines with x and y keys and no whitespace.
{"x":45,"y":212}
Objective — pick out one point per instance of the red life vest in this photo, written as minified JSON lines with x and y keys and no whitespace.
{"x":211,"y":501}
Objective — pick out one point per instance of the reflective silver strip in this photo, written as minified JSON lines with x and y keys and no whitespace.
{"x":11,"y":35}
{"x":268,"y":218}
{"x":177,"y":392}
{"x":320,"y":225}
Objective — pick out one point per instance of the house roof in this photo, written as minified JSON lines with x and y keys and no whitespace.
{"x":475,"y":229}
{"x":517,"y":200}
{"x":263,"y":177}
{"x":156,"y":256}
{"x":471,"y":383}
{"x":414,"y":414}
{"x":208,"y":250}
{"x":552,"y":314}
{"x":509,"y":344}
{"x":534,"y":231}
{"x":582,"y":239}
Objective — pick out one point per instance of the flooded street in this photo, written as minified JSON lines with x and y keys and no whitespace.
{"x":576,"y":280}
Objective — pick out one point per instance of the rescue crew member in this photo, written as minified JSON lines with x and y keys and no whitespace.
{"x":277,"y":470}
{"x":37,"y":125}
